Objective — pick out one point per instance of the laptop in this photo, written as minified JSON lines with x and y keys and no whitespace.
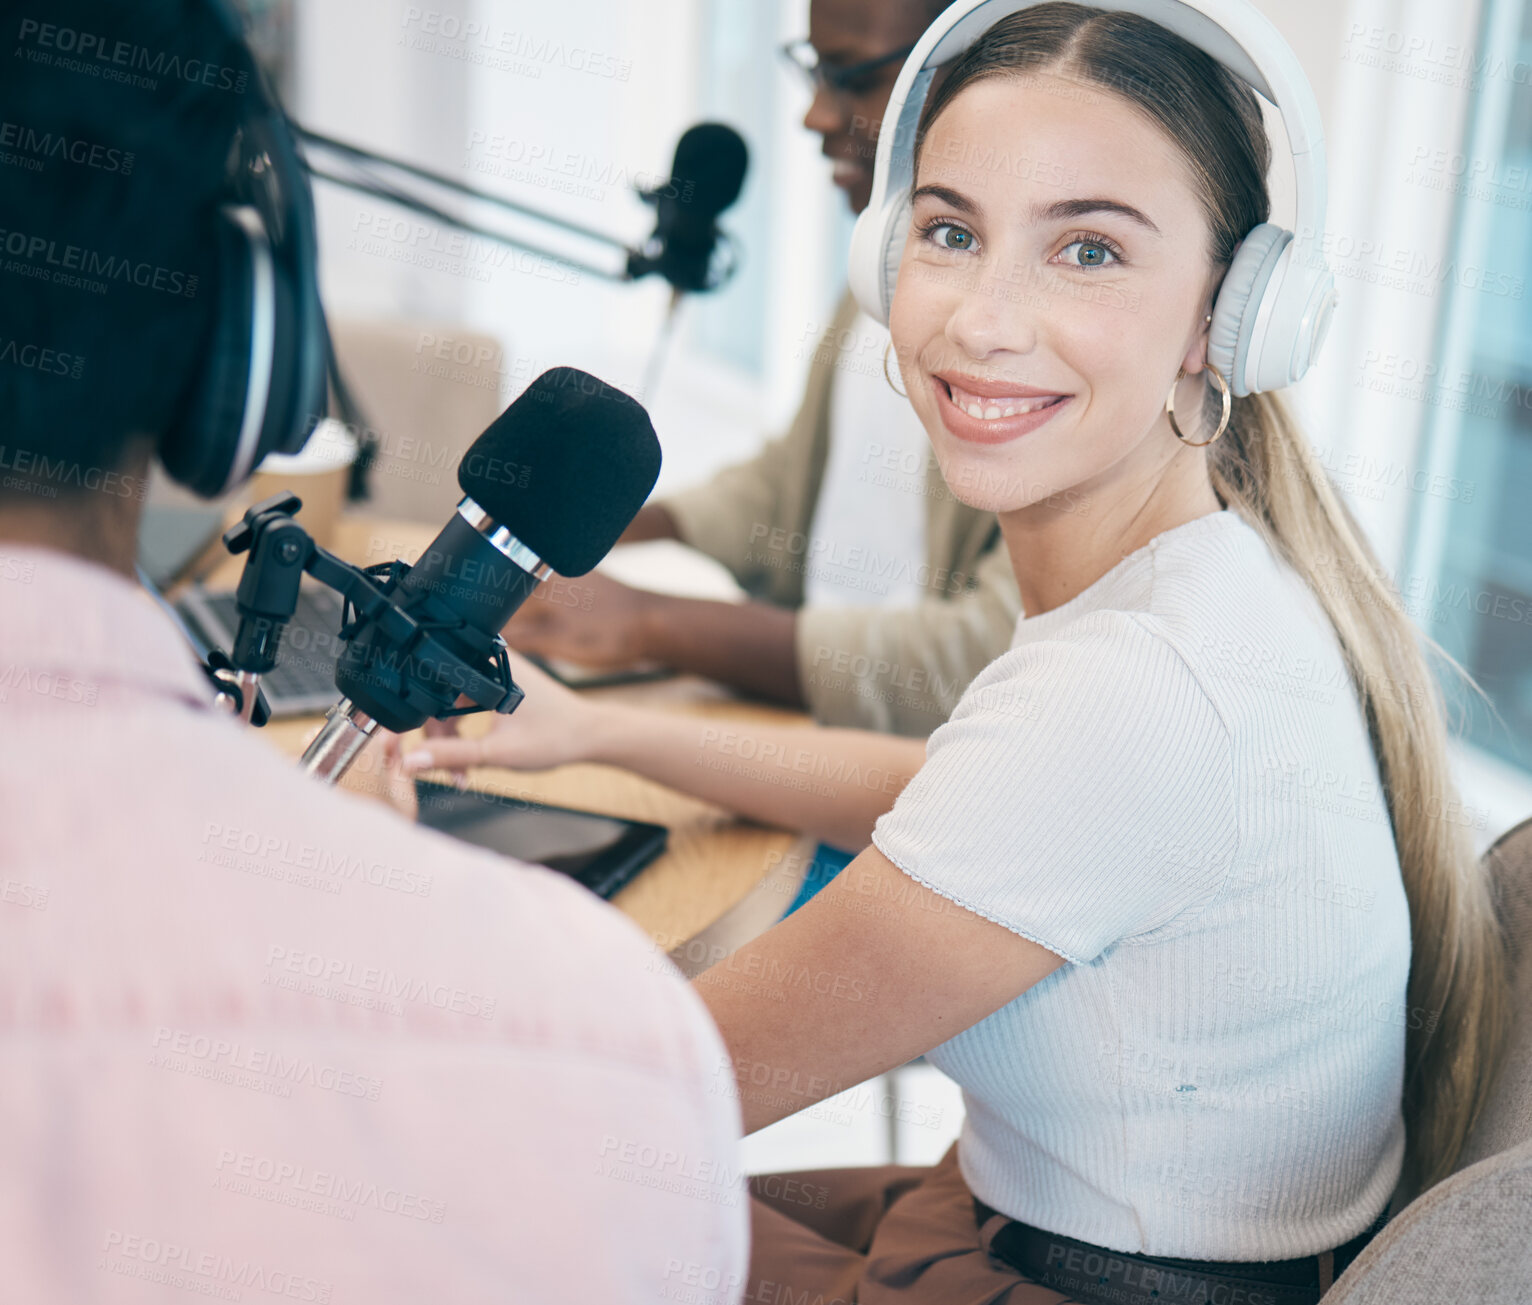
{"x":303,"y":682}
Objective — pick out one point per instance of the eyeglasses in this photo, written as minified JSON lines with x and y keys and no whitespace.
{"x":854,"y":79}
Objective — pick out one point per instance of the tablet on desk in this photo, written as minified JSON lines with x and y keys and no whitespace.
{"x":576,"y":675}
{"x":603,"y":853}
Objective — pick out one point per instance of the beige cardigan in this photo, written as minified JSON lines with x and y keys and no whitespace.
{"x":898,"y":670}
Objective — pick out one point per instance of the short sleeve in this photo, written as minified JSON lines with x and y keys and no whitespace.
{"x":1081,"y":794}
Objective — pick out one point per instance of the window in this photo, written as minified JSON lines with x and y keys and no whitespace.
{"x":1468,"y":578}
{"x":792,"y":225}
{"x":738,"y":86}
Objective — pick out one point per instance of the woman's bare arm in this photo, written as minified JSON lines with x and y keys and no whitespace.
{"x":874,"y":970}
{"x":832,"y":783}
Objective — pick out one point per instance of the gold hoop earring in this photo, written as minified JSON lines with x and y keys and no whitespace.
{"x":1223,"y":420}
{"x":901,"y":393}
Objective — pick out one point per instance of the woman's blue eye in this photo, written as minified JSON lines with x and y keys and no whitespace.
{"x":956,"y":237}
{"x":1093,"y":253}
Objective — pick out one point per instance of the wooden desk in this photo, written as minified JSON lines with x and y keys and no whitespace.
{"x":713,"y":859}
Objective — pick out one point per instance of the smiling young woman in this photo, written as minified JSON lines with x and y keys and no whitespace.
{"x":1176,"y":894}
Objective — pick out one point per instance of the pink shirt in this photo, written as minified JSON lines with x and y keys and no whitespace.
{"x":266,"y":1041}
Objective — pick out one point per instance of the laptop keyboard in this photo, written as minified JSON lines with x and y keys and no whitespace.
{"x":303,"y":681}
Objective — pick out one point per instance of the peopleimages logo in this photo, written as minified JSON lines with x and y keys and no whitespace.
{"x":85,"y":269}
{"x":50,"y":362}
{"x":289,"y":967}
{"x":204,"y":1272}
{"x":37,"y":147}
{"x":71,"y":50}
{"x":204,"y":1056}
{"x":37,"y":474}
{"x":285,"y":1183}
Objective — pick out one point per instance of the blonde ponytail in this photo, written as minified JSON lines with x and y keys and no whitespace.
{"x":1459,"y":1004}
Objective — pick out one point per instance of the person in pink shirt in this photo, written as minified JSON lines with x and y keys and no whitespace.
{"x":260,"y":1039}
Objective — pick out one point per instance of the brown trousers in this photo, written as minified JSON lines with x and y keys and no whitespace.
{"x":887,"y":1233}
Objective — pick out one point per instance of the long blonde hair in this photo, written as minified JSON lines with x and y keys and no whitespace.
{"x":1264,"y":467}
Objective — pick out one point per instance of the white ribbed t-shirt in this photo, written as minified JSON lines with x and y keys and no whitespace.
{"x":1167,"y":780}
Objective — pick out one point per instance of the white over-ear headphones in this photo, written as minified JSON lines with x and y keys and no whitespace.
{"x":1273,"y":308}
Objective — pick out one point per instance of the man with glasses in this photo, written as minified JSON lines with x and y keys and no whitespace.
{"x":876,"y":595}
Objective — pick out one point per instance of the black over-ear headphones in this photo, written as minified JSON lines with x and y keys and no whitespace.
{"x":262,"y":385}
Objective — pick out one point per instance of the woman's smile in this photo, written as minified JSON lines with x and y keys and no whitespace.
{"x":990,"y":412}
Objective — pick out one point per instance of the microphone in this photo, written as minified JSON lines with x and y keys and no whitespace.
{"x":706,"y":178}
{"x":550,"y":486}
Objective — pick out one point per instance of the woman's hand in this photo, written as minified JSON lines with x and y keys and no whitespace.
{"x":595,"y":621}
{"x":377,"y":773}
{"x":552,"y":727}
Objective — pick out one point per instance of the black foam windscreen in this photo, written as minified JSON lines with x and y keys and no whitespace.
{"x":709,"y":168}
{"x":565,"y":468}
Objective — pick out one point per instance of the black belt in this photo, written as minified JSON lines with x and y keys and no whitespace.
{"x":1095,"y":1274}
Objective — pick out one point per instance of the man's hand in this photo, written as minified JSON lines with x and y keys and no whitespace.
{"x":601,"y":623}
{"x":594,"y":620}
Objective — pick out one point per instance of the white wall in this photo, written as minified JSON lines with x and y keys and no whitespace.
{"x":357,"y":81}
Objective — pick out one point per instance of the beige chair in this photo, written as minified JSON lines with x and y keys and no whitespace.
{"x":428,"y":391}
{"x":1469,"y":1238}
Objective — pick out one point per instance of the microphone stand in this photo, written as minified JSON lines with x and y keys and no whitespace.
{"x":365,"y":180}
{"x":691,"y":273}
{"x":661,"y":346}
{"x":281,"y":552}
{"x":233,"y":692}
